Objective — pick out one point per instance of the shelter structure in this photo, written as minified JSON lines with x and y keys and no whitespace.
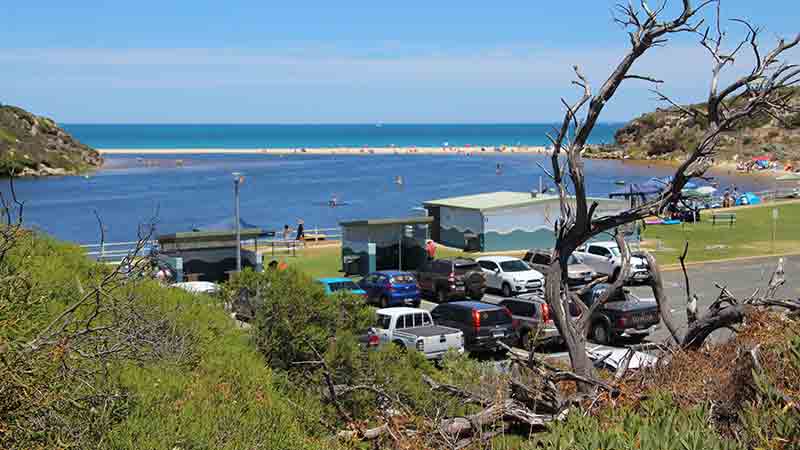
{"x":383,"y":244}
{"x":501,"y":221}
{"x":207,"y":255}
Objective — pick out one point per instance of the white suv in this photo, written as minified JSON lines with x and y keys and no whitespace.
{"x":511,"y":275}
{"x":605,"y":258}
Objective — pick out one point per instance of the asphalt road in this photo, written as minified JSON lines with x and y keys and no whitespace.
{"x":740,"y":277}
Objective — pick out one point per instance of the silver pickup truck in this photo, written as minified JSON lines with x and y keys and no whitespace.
{"x":413,"y":329}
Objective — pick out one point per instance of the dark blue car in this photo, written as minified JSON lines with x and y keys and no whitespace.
{"x":391,"y":288}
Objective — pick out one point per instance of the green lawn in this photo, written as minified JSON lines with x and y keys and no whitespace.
{"x":750,"y":236}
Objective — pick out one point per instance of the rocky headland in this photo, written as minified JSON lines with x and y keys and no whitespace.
{"x":31,"y":145}
{"x":667,"y":134}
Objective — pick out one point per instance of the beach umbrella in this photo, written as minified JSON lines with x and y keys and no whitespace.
{"x":789,"y":177}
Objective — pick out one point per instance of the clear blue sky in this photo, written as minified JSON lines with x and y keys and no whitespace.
{"x":181,"y":61}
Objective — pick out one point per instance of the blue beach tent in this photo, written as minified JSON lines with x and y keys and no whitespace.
{"x":748,"y":198}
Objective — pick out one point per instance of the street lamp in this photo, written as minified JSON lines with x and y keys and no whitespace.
{"x":237,"y":180}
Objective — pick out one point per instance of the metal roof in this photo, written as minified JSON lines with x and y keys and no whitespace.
{"x":497,"y":200}
{"x":404,"y":221}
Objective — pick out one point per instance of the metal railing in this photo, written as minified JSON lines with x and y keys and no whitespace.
{"x":114,"y":251}
{"x":277,"y":244}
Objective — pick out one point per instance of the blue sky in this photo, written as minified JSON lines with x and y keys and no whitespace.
{"x":180,"y":61}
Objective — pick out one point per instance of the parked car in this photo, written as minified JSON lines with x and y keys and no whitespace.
{"x":484,"y":325}
{"x":578,"y":273}
{"x":606,"y":259}
{"x":453,"y":278}
{"x":333,"y":285}
{"x":510,"y":275}
{"x":391,"y":288}
{"x":533,"y":317}
{"x":414,"y":329}
{"x":623,"y":316}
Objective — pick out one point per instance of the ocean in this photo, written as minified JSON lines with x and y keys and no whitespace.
{"x":280,"y":189}
{"x":314,"y":136}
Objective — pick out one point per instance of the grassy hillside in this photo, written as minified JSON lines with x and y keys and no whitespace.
{"x":33,"y":145}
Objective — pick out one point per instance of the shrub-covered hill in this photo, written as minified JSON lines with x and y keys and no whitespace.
{"x":31,"y":145}
{"x":668,"y":133}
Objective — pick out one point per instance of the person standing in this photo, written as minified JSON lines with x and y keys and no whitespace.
{"x":286,"y":232}
{"x":430,"y":249}
{"x":301,"y":235}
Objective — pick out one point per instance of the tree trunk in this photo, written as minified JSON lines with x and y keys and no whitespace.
{"x":657,"y":283}
{"x":573,"y":336}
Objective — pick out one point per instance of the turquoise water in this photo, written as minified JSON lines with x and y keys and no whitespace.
{"x":298,"y":136}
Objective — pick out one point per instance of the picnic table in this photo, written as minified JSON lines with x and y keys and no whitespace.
{"x":723,"y":218}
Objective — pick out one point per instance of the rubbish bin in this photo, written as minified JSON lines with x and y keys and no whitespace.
{"x":351,"y":265}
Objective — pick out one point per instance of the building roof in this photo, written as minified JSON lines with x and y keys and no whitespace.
{"x":402,"y":221}
{"x":497,"y":200}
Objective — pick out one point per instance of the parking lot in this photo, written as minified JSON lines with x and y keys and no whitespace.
{"x":741,"y":277}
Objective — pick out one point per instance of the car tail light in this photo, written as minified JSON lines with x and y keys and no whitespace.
{"x":421,"y":345}
{"x":546,"y":313}
{"x":452,"y":278}
{"x":373,"y":341}
{"x":476,"y":318}
{"x":621,"y":322}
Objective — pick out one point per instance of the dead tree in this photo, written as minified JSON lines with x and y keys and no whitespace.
{"x":760,"y":91}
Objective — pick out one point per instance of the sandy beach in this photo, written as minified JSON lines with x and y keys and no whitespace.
{"x":332,"y":151}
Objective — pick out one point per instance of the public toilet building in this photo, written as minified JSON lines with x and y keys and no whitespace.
{"x":383,"y":244}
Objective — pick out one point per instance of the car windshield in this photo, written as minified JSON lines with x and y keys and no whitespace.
{"x":574,"y":260}
{"x":514,"y":266}
{"x":383,"y":322}
{"x":403,"y":279}
{"x":614,"y":251}
{"x":342,"y":286}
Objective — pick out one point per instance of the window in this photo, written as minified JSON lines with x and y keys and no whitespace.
{"x":384,"y":321}
{"x":515,"y":265}
{"x":418,"y":319}
{"x":488,"y":265}
{"x":426,"y":320}
{"x":401,"y":322}
{"x":574,"y":259}
{"x":600,"y":251}
{"x":540,"y":258}
{"x":493,"y":317}
{"x":342,"y":286}
{"x":403,"y":279}
{"x":467,"y":266}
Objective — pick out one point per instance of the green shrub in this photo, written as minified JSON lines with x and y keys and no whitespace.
{"x":659,"y":424}
{"x":294,"y":317}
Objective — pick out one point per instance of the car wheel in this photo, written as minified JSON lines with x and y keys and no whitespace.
{"x":384,"y":302}
{"x":400,"y":346}
{"x":441,"y":296}
{"x":506,"y":290}
{"x":600,"y":333}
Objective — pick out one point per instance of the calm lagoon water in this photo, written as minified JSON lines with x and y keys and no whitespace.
{"x":279,"y":190}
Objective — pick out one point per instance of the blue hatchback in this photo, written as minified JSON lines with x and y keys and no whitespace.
{"x":391,"y":288}
{"x":333,"y":285}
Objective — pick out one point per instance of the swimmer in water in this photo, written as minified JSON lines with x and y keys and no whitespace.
{"x":499,"y":169}
{"x":399,"y":180}
{"x":333,"y":201}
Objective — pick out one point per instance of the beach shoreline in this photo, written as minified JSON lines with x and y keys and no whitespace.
{"x":450,"y":150}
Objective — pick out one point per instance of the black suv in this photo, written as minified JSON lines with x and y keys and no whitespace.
{"x":451,"y":278}
{"x":484,"y":325}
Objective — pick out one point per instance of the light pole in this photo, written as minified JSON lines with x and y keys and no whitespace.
{"x":237,"y":179}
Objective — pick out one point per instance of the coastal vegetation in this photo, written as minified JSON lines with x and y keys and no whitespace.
{"x":36,"y":146}
{"x":670,"y":133}
{"x":137,"y":365}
